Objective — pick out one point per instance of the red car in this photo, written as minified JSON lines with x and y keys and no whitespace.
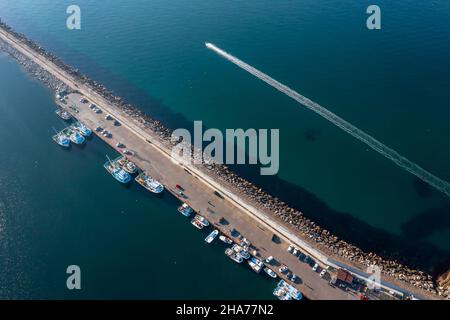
{"x":179,"y":187}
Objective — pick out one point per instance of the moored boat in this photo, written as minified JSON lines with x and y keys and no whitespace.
{"x":241,"y":251}
{"x":197,"y":224}
{"x":117,"y":172}
{"x":149,"y":183}
{"x":81,"y":128}
{"x":256,"y":264}
{"x":185,"y":210}
{"x":270,"y":272}
{"x":76,"y":137}
{"x":127,"y":165}
{"x":210,"y":238}
{"x":61,"y":139}
{"x":233,"y":255}
{"x":285,"y":291}
{"x":63,"y":114}
{"x":202,"y":220}
{"x":225,"y":239}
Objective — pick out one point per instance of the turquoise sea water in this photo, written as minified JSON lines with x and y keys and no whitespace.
{"x":392,"y":83}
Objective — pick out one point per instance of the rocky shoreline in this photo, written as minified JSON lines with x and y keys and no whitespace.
{"x":307,"y":228}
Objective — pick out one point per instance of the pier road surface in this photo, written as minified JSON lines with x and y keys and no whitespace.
{"x":241,"y":212}
{"x":203,"y":200}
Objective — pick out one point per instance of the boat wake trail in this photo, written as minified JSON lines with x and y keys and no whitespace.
{"x":376,"y":145}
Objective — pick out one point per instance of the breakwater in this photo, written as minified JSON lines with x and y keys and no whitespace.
{"x":273,"y":206}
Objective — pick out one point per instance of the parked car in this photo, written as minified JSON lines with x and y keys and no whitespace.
{"x":290,"y":249}
{"x":283,"y":269}
{"x":295,"y":251}
{"x":322,"y":273}
{"x":314,"y":268}
{"x":269,"y":259}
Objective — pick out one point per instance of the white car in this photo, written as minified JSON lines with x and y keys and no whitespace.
{"x":315,"y":267}
{"x":290,"y":249}
{"x":295,"y":252}
{"x":322,"y":273}
{"x":269,"y":259}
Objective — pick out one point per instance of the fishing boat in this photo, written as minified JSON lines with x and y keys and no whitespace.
{"x":202,"y":220}
{"x":285,"y":291}
{"x":210,"y":238}
{"x":242,"y":252}
{"x":185,"y":210}
{"x":117,"y":172}
{"x":233,"y":255}
{"x":197,"y":224}
{"x":255,"y":264}
{"x":81,"y":128}
{"x":149,"y":183}
{"x":225,"y":239}
{"x":270,"y":272}
{"x":76,"y":137}
{"x":63,"y":114}
{"x":127,"y":165}
{"x":61,"y":139}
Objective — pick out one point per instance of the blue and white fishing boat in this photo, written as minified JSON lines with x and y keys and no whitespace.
{"x":210,"y":238}
{"x":61,"y":139}
{"x":117,"y":172}
{"x":185,"y":210}
{"x":76,"y":137}
{"x":256,"y":264}
{"x":81,"y":128}
{"x":285,"y":291}
{"x":149,"y":183}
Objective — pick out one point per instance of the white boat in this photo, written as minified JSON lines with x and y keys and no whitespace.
{"x":149,"y":183}
{"x":202,"y":220}
{"x":117,"y":172}
{"x":233,"y":255}
{"x":185,"y":210}
{"x":80,"y":127}
{"x":61,"y":139}
{"x":76,"y":137}
{"x":270,"y":272}
{"x":63,"y":114}
{"x":210,"y":238}
{"x":241,"y":251}
{"x":127,"y":165}
{"x":225,"y":239}
{"x":197,"y":224}
{"x":256,"y":264}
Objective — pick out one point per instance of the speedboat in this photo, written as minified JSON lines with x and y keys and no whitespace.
{"x":149,"y":183}
{"x":233,"y":255}
{"x":185,"y":210}
{"x":210,"y":238}
{"x":225,"y":239}
{"x":85,"y":131}
{"x":270,"y":272}
{"x":202,"y":220}
{"x":63,"y":114}
{"x":76,"y":137}
{"x":197,"y":224}
{"x":256,"y":264}
{"x":117,"y":172}
{"x":62,"y":140}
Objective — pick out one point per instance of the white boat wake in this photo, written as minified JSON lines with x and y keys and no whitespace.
{"x":376,"y":145}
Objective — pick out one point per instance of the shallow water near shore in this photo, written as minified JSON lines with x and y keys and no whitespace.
{"x":391,"y":83}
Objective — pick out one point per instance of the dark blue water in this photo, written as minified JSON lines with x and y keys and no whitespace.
{"x":392,"y":83}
